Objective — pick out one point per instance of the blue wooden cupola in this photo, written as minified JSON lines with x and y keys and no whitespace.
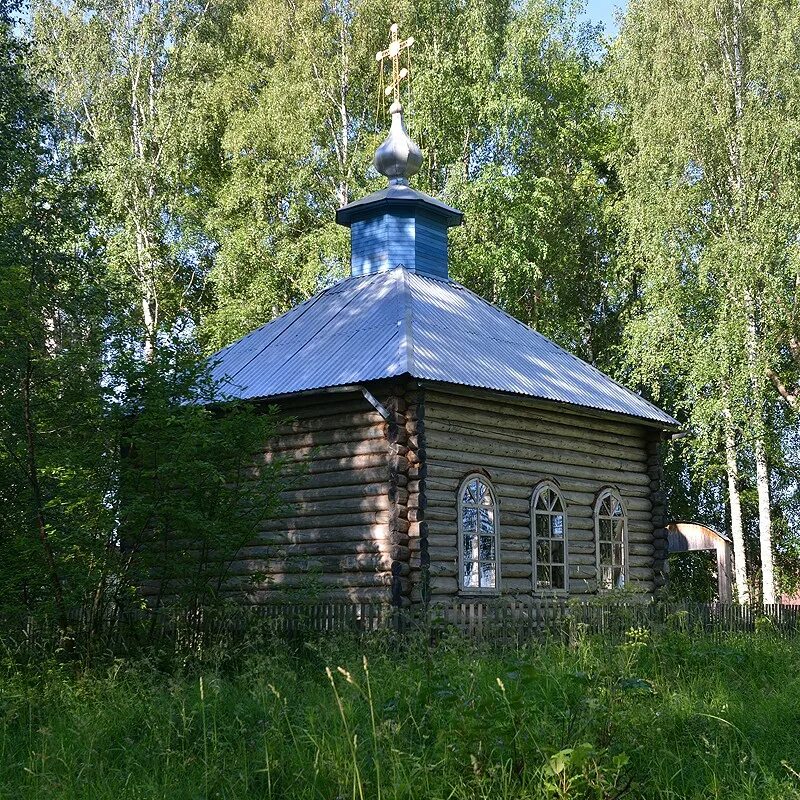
{"x":398,"y":226}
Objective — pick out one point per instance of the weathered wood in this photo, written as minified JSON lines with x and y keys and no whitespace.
{"x":520,"y":445}
{"x":581,"y":440}
{"x":509,"y":418}
{"x":444,"y":455}
{"x":350,"y":449}
{"x":558,"y":412}
{"x":485,"y":444}
{"x":330,"y":565}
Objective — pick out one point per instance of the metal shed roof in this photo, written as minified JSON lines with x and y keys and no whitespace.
{"x":402,"y":323}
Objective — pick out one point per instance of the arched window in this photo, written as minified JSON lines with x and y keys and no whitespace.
{"x":549,"y":521}
{"x":611,"y":533}
{"x":477,"y":534}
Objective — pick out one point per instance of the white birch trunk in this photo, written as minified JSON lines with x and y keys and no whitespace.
{"x":764,"y":523}
{"x":737,"y":530}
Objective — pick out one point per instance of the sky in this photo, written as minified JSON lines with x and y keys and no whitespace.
{"x":603,"y":11}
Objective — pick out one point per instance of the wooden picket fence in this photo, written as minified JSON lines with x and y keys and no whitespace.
{"x":498,"y":622}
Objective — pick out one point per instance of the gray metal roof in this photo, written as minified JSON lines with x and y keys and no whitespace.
{"x":402,"y":323}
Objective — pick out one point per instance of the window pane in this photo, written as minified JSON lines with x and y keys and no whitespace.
{"x":619,"y":527}
{"x":557,"y":503}
{"x":557,"y":552}
{"x":479,"y":490}
{"x":557,"y":526}
{"x":487,"y":548}
{"x":542,"y":577}
{"x":470,"y":576}
{"x":605,"y":578}
{"x":558,"y":578}
{"x":487,"y":520}
{"x":541,"y":502}
{"x":617,"y":508}
{"x":544,"y":499}
{"x":542,"y":526}
{"x":469,"y":519}
{"x":605,"y":530}
{"x":617,"y":554}
{"x":605,"y":554}
{"x":619,"y":578}
{"x":543,"y":551}
{"x":487,"y":576}
{"x":470,"y":546}
{"x":605,"y":507}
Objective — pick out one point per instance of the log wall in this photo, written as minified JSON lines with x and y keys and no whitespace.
{"x":344,"y":532}
{"x":371,"y":516}
{"x":518,"y":442}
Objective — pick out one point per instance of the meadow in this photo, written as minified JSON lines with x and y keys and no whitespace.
{"x":666,"y":715}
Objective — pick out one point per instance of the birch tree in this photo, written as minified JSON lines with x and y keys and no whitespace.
{"x":710,"y":166}
{"x":112,"y":68}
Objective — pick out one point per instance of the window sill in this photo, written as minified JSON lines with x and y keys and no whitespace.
{"x":468,"y":594}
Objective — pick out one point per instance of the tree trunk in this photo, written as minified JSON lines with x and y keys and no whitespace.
{"x":38,"y":502}
{"x":764,"y":522}
{"x":737,"y":531}
{"x":759,"y":452}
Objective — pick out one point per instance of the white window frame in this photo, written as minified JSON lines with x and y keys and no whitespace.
{"x":538,"y":489}
{"x":483,"y":590}
{"x":601,"y":497}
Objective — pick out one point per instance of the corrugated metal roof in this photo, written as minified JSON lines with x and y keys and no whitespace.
{"x":397,"y":323}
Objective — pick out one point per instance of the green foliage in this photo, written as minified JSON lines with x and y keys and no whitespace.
{"x":693,"y":577}
{"x":192,"y":491}
{"x":705,"y":94}
{"x":53,"y":466}
{"x":661,"y":717}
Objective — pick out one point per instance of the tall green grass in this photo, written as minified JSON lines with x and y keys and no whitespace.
{"x":670,"y":717}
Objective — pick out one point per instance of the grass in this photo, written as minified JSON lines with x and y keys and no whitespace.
{"x":665,"y":717}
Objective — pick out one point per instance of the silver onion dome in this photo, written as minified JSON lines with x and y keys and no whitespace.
{"x":399,"y":157}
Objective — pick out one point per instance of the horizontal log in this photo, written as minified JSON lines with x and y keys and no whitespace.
{"x":488,"y":400}
{"x":512,"y":418}
{"x":325,"y":438}
{"x":328,"y":493}
{"x":314,"y":565}
{"x":340,"y":479}
{"x":324,"y":404}
{"x":343,"y":450}
{"x":575,"y":503}
{"x":579,"y":440}
{"x":350,"y":595}
{"x":314,"y":548}
{"x":466,"y":462}
{"x":343,"y":505}
{"x":463,"y":449}
{"x":520,"y":483}
{"x":350,"y":418}
{"x":304,"y":581}
{"x":322,"y":522}
{"x":346,"y":533}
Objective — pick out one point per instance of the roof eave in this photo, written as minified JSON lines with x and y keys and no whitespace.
{"x":346,"y":214}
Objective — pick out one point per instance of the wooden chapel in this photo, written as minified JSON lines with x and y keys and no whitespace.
{"x":449,"y":449}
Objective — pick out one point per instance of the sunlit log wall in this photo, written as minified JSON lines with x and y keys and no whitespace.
{"x":517,"y":443}
{"x":344,"y":532}
{"x":371,"y":516}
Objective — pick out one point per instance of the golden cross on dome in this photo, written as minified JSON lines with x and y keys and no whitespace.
{"x":393,"y":52}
